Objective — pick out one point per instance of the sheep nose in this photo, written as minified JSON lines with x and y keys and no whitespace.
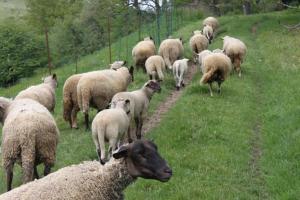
{"x":168,"y":170}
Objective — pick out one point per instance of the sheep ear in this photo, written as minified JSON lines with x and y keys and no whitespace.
{"x":121,"y":152}
{"x":151,"y":38}
{"x":124,"y":62}
{"x":54,"y":77}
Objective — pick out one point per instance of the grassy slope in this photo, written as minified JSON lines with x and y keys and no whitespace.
{"x":11,"y":8}
{"x":210,"y":149}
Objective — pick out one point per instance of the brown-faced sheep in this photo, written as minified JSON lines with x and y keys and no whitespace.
{"x":171,"y":50}
{"x":211,"y":21}
{"x":97,"y":88}
{"x":139,"y":103}
{"x":198,"y":43}
{"x":93,"y":181}
{"x":236,"y":50}
{"x":29,"y":137}
{"x":155,"y":66}
{"x":180,"y":68}
{"x":111,"y":125}
{"x":43,"y":93}
{"x":143,"y":50}
{"x":216,"y":67}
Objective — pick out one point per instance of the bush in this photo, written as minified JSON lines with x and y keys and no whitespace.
{"x":21,"y":51}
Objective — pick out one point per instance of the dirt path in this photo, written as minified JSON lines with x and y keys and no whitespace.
{"x":153,"y":120}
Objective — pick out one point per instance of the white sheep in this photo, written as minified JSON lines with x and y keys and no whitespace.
{"x":93,"y":181}
{"x":236,"y":50}
{"x":218,"y":51}
{"x":139,"y":101}
{"x":155,"y":66}
{"x":208,"y":32}
{"x":201,"y":56}
{"x":97,"y":88}
{"x":111,"y":125}
{"x":143,"y":50}
{"x":211,"y":21}
{"x":117,"y":64}
{"x":43,"y":93}
{"x":198,"y":43}
{"x":171,"y":50}
{"x":216,"y":68}
{"x":29,"y":137}
{"x":180,"y":68}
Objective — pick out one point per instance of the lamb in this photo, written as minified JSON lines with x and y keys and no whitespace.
{"x":139,"y":101}
{"x":208,"y":32}
{"x":198,"y":43}
{"x":155,"y":65}
{"x":70,"y":104}
{"x":29,"y":137}
{"x":90,"y":180}
{"x":110,"y":125}
{"x":236,"y":50}
{"x":43,"y":93}
{"x":171,"y":50}
{"x":97,"y":88}
{"x":143,"y":50}
{"x":180,"y":68}
{"x":216,"y":67}
{"x":211,"y":21}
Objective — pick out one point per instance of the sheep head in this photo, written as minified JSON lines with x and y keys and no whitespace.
{"x":143,"y":160}
{"x":4,"y":103}
{"x":52,"y":79}
{"x":122,"y":104}
{"x":153,"y":85}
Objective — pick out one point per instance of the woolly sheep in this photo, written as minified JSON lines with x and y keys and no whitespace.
{"x":70,"y":104}
{"x":236,"y":50}
{"x":208,"y":32}
{"x":29,"y":137}
{"x":43,"y":93}
{"x":216,"y":68}
{"x":218,"y":51}
{"x":143,"y":50}
{"x":180,"y":68}
{"x":155,"y":65}
{"x":110,"y":125}
{"x":211,"y":21}
{"x":198,"y":43}
{"x":139,"y":103}
{"x":97,"y":88}
{"x":90,"y":180}
{"x":201,"y":56}
{"x":171,"y":50}
{"x":197,"y":32}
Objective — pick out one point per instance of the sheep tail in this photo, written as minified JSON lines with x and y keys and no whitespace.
{"x":67,"y":106}
{"x":205,"y":78}
{"x":167,"y":61}
{"x":160,"y":73}
{"x":83,"y":98}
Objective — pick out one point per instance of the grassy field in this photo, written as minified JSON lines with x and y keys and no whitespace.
{"x":242,"y":144}
{"x":11,"y":8}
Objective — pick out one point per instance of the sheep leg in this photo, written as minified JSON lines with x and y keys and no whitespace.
{"x":219,"y":87}
{"x":74,"y":118}
{"x":129,"y":134}
{"x":47,"y":170}
{"x":86,"y":119}
{"x":210,"y":89}
{"x":137,"y":122}
{"x":36,"y":174}
{"x":102,"y":146}
{"x":9,"y":174}
{"x":139,"y":134}
{"x":28,"y":161}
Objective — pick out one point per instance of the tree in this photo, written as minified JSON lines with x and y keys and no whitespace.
{"x":42,"y":14}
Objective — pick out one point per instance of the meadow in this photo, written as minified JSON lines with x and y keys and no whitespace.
{"x":242,"y":144}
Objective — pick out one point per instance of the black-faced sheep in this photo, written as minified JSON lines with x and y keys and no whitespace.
{"x":171,"y":50}
{"x":236,"y":50}
{"x":155,"y":66}
{"x":43,"y":93}
{"x":93,"y":181}
{"x":111,"y":125}
{"x":216,"y":67}
{"x":139,"y":101}
{"x":180,"y":68}
{"x":97,"y":88}
{"x":143,"y":50}
{"x":29,"y":137}
{"x":198,"y":43}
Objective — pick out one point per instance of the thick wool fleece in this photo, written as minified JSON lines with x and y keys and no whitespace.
{"x":171,"y":50}
{"x":89,"y":180}
{"x":155,"y":65}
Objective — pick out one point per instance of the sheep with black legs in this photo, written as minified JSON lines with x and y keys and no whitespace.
{"x":29,"y":137}
{"x":93,"y":181}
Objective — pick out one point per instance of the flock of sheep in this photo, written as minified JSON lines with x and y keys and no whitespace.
{"x":30,"y":134}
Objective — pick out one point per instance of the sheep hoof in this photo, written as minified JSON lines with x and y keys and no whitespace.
{"x":177,"y":87}
{"x":182,"y":84}
{"x":130,"y":140}
{"x":102,"y":162}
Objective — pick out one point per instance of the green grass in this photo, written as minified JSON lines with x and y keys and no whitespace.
{"x":208,"y":140}
{"x":11,"y":8}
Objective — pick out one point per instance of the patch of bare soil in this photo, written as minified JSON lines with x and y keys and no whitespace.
{"x":154,"y":120}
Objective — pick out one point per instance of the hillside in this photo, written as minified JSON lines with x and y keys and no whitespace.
{"x":242,"y":144}
{"x":11,"y":8}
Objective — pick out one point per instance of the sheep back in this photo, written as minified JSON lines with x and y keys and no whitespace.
{"x":171,"y":50}
{"x":198,"y":43}
{"x":143,"y":50}
{"x":155,"y":66}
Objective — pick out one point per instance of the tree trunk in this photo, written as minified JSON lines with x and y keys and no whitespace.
{"x":247,"y":8}
{"x":48,"y":51}
{"x":157,"y":7}
{"x":109,"y":41}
